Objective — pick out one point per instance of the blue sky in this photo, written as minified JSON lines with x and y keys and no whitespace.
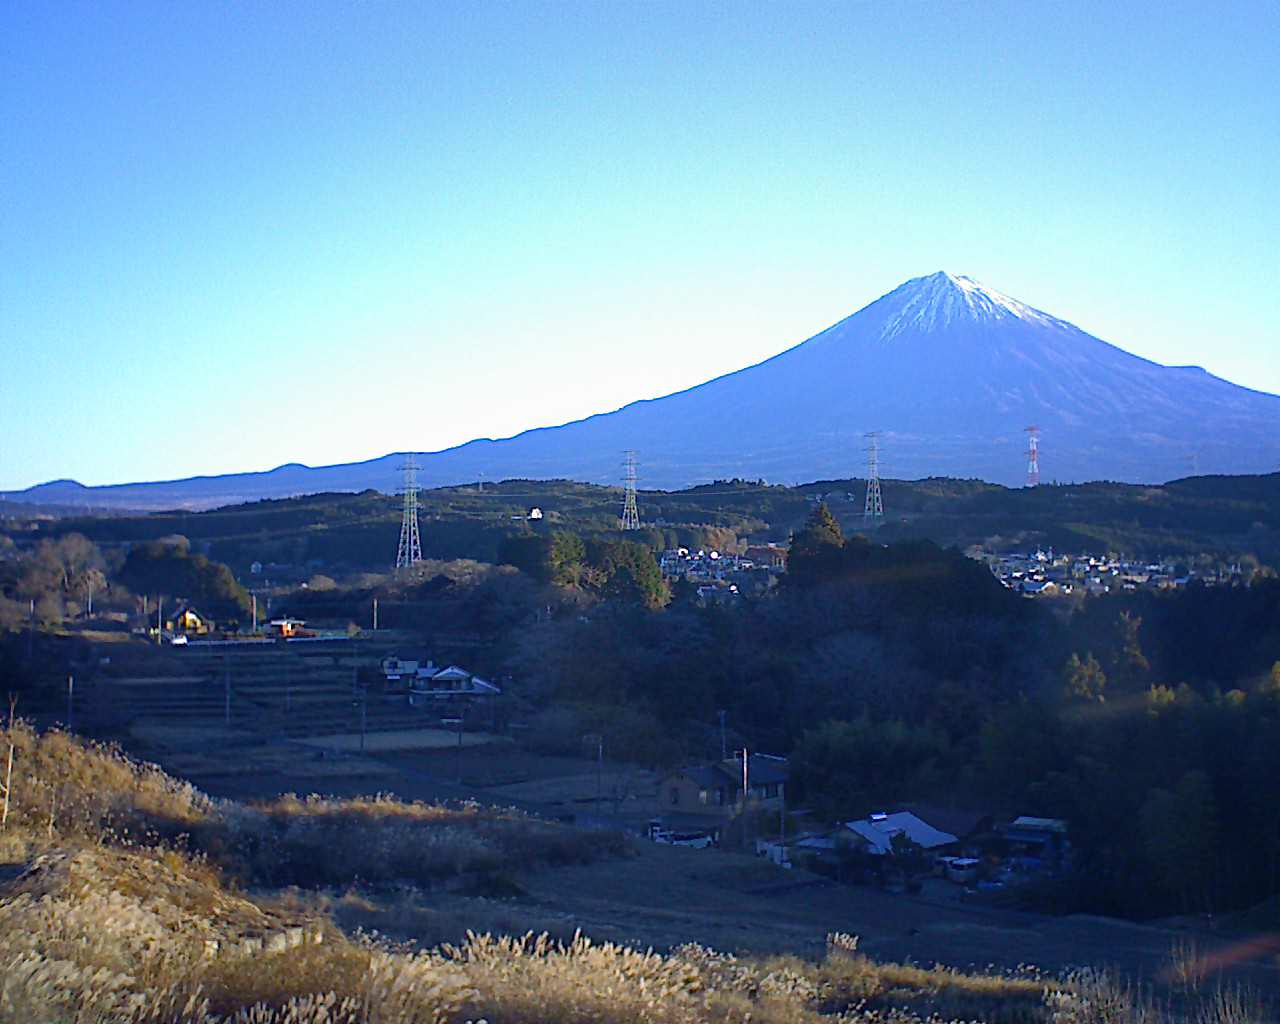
{"x":237,"y":235}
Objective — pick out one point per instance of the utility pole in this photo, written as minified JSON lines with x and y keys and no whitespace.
{"x":8,"y":778}
{"x":253,"y":597}
{"x":375,"y":615}
{"x":364,"y":717}
{"x":71,"y":694}
{"x":597,"y":740}
{"x":458,"y":722}
{"x":461,"y":720}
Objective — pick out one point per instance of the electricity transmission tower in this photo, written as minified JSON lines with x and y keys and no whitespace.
{"x":1033,"y":456}
{"x":410,"y":552}
{"x":873,"y":507}
{"x":630,"y":513}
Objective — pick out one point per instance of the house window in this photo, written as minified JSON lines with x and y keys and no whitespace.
{"x":703,"y":796}
{"x":675,"y":795}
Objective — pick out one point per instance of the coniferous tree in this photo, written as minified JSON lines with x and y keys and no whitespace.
{"x":815,"y":550}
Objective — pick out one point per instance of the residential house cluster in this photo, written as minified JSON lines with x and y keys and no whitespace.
{"x":965,"y":847}
{"x":706,"y":804}
{"x":721,"y":576}
{"x":1049,"y":574}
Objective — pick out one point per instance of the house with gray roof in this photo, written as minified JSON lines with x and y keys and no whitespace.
{"x":716,"y":788}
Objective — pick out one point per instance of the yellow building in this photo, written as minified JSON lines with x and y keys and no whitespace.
{"x":189,"y":622}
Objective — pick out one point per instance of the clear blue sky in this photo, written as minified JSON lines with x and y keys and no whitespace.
{"x":235,"y":235}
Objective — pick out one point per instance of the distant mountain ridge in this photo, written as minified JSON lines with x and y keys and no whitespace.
{"x":949,"y":370}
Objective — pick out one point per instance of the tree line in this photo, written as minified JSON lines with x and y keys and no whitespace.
{"x":70,"y":577}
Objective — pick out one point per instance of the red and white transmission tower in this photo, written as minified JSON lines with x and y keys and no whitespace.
{"x":1033,"y":456}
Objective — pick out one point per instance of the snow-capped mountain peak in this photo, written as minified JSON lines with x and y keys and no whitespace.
{"x":968,"y":368}
{"x":941,"y":299}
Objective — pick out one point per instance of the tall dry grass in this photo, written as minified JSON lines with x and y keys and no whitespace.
{"x":316,"y":841}
{"x":66,"y":786}
{"x":137,"y":906}
{"x":68,"y":789}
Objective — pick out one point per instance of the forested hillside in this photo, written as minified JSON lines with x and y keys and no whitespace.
{"x":1231,"y":518}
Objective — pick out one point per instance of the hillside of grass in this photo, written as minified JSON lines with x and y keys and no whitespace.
{"x":132,"y":897}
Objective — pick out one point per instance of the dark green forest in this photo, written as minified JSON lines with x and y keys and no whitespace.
{"x":1228,"y":518}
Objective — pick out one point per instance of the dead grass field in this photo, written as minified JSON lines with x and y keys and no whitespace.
{"x":401,"y":739}
{"x":251,"y":914}
{"x":176,"y":681}
{"x":184,"y":737}
{"x":582,"y":787}
{"x":306,"y":768}
{"x":665,"y":896}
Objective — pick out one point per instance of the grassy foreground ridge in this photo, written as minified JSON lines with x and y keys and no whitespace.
{"x":133,"y":897}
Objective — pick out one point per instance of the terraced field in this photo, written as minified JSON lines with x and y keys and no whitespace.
{"x":268,"y":709}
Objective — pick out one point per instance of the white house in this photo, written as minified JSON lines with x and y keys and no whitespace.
{"x":879,"y":831}
{"x":453,"y":681}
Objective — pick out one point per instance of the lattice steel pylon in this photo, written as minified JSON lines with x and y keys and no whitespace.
{"x":630,"y":519}
{"x":410,"y":552}
{"x":873,"y":507}
{"x":1033,"y":456}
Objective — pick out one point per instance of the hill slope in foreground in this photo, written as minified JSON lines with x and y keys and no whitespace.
{"x":135,"y":898}
{"x":949,"y":370}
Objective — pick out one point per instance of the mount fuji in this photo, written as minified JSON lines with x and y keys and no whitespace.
{"x":950,"y":372}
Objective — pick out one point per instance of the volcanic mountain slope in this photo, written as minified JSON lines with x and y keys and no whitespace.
{"x":950,"y":371}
